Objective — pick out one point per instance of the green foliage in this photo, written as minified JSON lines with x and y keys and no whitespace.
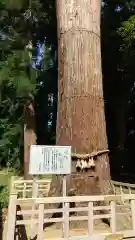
{"x":17,"y":81}
{"x":9,"y":145}
{"x":118,"y":75}
{"x":127,"y":33}
{"x":18,"y":73}
{"x":4,"y":195}
{"x":23,"y":24}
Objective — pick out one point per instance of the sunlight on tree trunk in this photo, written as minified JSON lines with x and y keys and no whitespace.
{"x":81,"y":118}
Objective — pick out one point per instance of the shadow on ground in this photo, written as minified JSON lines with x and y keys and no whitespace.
{"x":20,"y":231}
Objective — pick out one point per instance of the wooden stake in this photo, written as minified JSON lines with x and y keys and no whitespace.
{"x":113,"y":216}
{"x":41,"y":222}
{"x":64,"y":193}
{"x":90,"y":218}
{"x":11,"y":217}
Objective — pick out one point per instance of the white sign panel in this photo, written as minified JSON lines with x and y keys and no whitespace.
{"x":50,"y":160}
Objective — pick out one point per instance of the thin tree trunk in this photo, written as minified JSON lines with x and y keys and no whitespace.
{"x":29,"y":134}
{"x":29,"y":122}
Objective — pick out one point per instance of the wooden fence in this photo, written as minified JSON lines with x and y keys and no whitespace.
{"x":123,"y":188}
{"x":40,"y":213}
{"x":21,"y":195}
{"x":24,"y":187}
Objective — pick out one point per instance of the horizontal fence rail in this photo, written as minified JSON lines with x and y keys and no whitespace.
{"x":108,"y":210}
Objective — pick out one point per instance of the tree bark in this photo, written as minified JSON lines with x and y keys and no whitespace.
{"x":81,"y":118}
{"x":29,"y":134}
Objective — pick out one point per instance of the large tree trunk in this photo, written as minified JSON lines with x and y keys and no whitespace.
{"x":81,"y":118}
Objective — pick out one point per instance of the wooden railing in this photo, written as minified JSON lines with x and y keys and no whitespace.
{"x":123,"y":188}
{"x":24,"y":187}
{"x":108,"y":211}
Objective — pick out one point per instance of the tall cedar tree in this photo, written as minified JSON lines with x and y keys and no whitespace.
{"x":81,"y":119}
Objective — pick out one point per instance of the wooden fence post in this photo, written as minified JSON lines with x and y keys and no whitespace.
{"x":66,"y":220}
{"x":41,"y":222}
{"x":34,"y":195}
{"x":24,"y":190}
{"x":11,"y":217}
{"x":113,"y":216}
{"x":90,"y":218}
{"x":121,"y":190}
{"x":133,"y":214}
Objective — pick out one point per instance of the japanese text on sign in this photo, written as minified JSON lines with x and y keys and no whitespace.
{"x":50,"y":160}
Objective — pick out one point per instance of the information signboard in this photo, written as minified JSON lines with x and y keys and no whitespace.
{"x":50,"y":160}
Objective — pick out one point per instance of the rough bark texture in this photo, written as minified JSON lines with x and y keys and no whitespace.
{"x":81,"y":118}
{"x":29,"y":134}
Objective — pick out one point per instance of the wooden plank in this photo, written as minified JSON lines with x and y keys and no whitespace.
{"x":40,"y":235}
{"x":56,"y":210}
{"x":30,"y":186}
{"x":79,"y":199}
{"x":102,"y":216}
{"x":113,"y":198}
{"x":78,"y":209}
{"x":47,"y":220}
{"x":54,"y":220}
{"x":75,"y":199}
{"x":26,"y":222}
{"x":31,"y":181}
{"x":59,"y":210}
{"x":129,"y":197}
{"x":78,"y":218}
{"x":11,"y":218}
{"x":27,"y":212}
{"x":90,"y":218}
{"x":133,"y":214}
{"x":35,"y":212}
{"x":113,"y":216}
{"x":101,"y":208}
{"x":45,"y":191}
{"x":123,"y":205}
{"x":126,"y":213}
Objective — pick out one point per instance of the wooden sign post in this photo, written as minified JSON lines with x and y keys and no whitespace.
{"x":48,"y":160}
